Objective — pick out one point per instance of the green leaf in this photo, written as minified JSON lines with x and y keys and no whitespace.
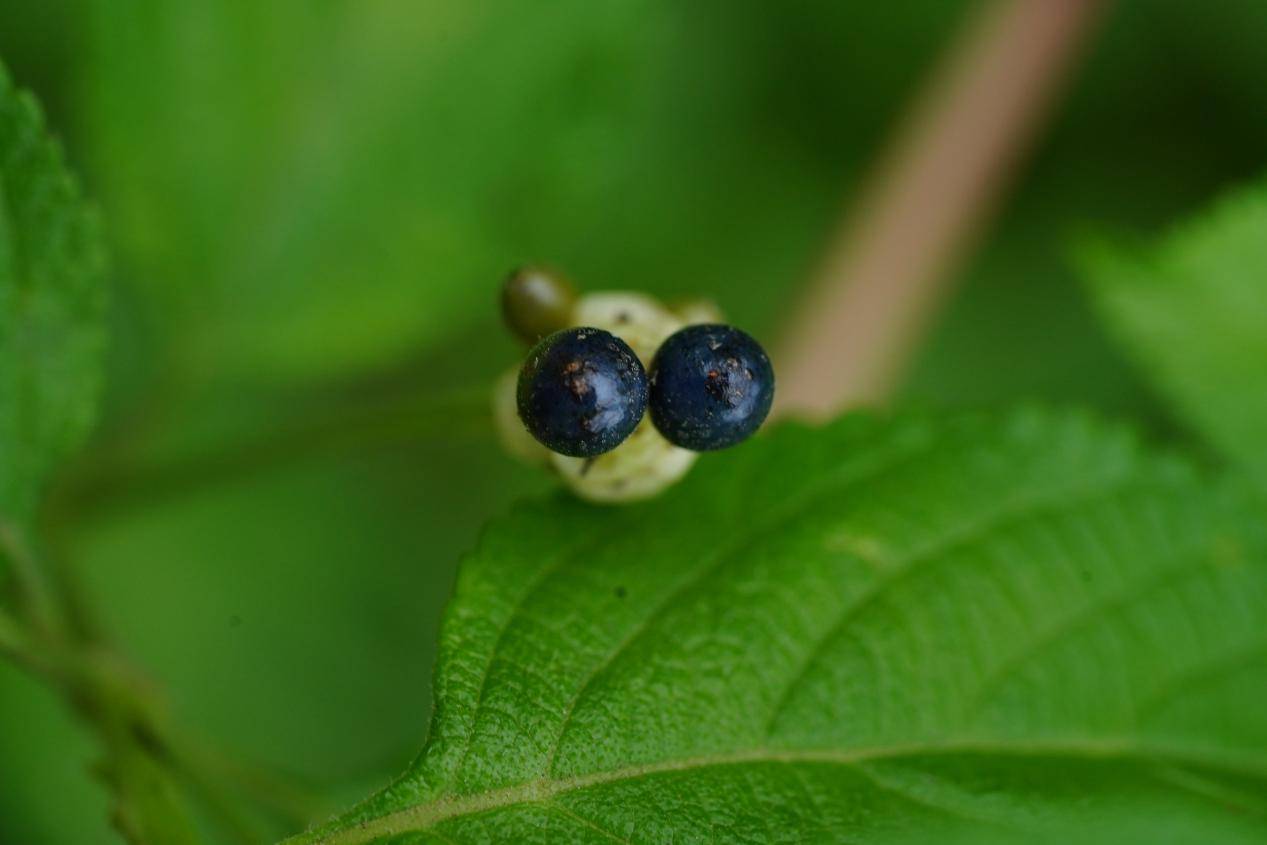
{"x":1193,"y":311}
{"x":867,"y":632}
{"x":51,"y":304}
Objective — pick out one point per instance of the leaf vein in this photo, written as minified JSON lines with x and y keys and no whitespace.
{"x":423,"y":817}
{"x":834,"y":487}
{"x":1018,"y":513}
{"x":1093,"y":613}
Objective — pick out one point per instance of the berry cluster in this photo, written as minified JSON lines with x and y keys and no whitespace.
{"x":583,"y":391}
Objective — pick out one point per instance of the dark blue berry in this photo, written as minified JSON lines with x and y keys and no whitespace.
{"x":582,"y":392}
{"x":711,"y":387}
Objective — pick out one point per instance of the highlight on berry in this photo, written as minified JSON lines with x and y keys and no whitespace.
{"x":585,"y":405}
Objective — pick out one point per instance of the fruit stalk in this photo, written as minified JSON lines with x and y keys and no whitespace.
{"x":890,"y":266}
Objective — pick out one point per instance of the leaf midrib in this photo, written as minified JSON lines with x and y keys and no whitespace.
{"x":426,"y":816}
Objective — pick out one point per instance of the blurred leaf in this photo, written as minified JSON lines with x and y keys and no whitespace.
{"x":51,"y":305}
{"x":869,"y":631}
{"x":271,"y":582}
{"x":303,"y":190}
{"x":51,"y":339}
{"x":310,"y":190}
{"x":57,"y":753}
{"x":1193,"y":312}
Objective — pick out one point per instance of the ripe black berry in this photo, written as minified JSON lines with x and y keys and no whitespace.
{"x":581,"y":392}
{"x":711,"y":387}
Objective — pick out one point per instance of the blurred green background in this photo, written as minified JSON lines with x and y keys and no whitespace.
{"x":311,"y":204}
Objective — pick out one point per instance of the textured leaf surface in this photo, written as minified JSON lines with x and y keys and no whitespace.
{"x":51,"y":299}
{"x":1193,"y":310}
{"x":862,"y":633}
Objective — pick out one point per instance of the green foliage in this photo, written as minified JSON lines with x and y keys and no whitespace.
{"x":318,"y":188}
{"x":873,"y":631}
{"x":51,"y":303}
{"x":61,"y":751}
{"x":1193,"y":312}
{"x":306,"y":189}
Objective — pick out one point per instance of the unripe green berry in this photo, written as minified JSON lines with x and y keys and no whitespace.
{"x":637,"y":319}
{"x":536,"y":302}
{"x":695,"y":311}
{"x":644,"y":466}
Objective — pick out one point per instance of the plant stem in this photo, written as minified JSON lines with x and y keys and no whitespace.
{"x":143,"y":754}
{"x":12,"y":639}
{"x":215,"y":772}
{"x":35,"y":599}
{"x":346,"y":427}
{"x":110,"y":696}
{"x":890,"y":265}
{"x":148,"y":807}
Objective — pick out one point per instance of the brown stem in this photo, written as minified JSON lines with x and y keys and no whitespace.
{"x":889,"y":266}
